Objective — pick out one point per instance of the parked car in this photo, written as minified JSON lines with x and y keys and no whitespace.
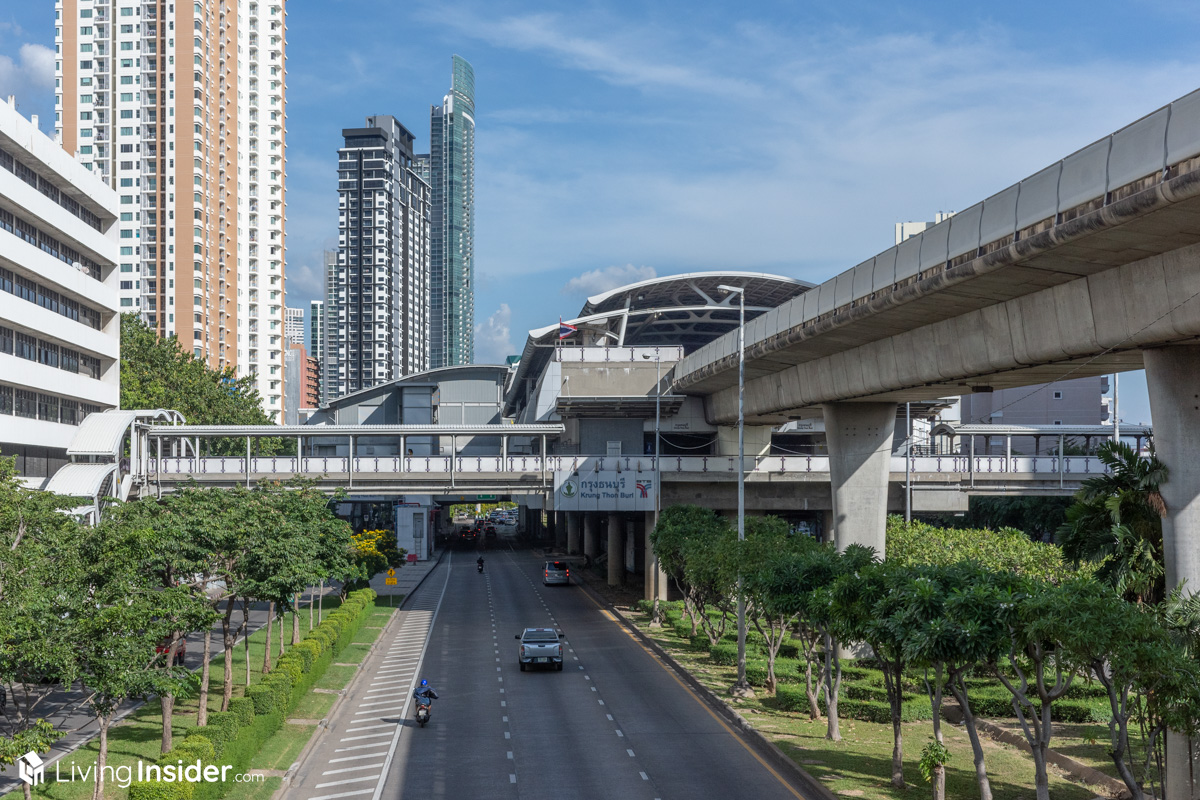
{"x":164,"y":647}
{"x":556,"y":572}
{"x":540,"y":646}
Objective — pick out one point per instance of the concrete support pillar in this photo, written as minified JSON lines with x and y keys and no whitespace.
{"x":656,"y":579}
{"x":591,"y":521}
{"x":573,"y":533}
{"x":560,"y":531}
{"x":1173,"y":378}
{"x":860,"y":454}
{"x":616,"y":549}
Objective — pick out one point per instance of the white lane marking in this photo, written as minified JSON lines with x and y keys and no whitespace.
{"x":364,"y":736}
{"x":507,"y":735}
{"x":380,"y":754}
{"x":504,"y":719}
{"x":344,"y":782}
{"x":340,"y":794}
{"x":387,"y":682}
{"x":391,"y":702}
{"x":359,"y":747}
{"x":358,"y":768}
{"x":630,"y":752}
{"x":510,"y":755}
{"x":369,"y":727}
{"x":420,"y":660}
{"x":645,"y":777}
{"x":511,"y":779}
{"x":620,"y":734}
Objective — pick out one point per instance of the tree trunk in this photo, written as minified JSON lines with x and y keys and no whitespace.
{"x":267,"y":650}
{"x":960,"y":693}
{"x":295,"y":619}
{"x":246,"y":637}
{"x":227,"y":637}
{"x":939,"y":782}
{"x":311,"y":602}
{"x":168,"y":708}
{"x":939,"y":772}
{"x":282,"y":619}
{"x":897,"y":751}
{"x":810,"y":691}
{"x":26,"y":791}
{"x":833,"y":686}
{"x":98,"y":786}
{"x":320,"y":605}
{"x":202,"y":714}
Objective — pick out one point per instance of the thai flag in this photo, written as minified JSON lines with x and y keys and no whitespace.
{"x":565,"y":329}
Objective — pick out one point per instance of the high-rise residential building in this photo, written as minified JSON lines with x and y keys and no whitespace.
{"x":293,"y":325}
{"x":60,"y":330}
{"x":377,"y":295}
{"x":190,"y":131}
{"x":451,"y":174}
{"x":316,"y":342}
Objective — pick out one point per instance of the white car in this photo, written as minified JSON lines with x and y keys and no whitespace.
{"x":540,"y":646}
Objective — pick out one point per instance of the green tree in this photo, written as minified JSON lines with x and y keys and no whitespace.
{"x":157,"y":372}
{"x":919,"y":543}
{"x":676,"y":526}
{"x":40,"y":588}
{"x":120,"y":626}
{"x":865,"y":602}
{"x":1116,"y":523}
{"x":767,"y":580}
{"x":710,"y":572}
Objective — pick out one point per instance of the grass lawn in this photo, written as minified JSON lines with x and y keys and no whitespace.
{"x":139,"y":735}
{"x":860,"y":765}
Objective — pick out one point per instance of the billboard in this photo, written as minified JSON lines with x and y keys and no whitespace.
{"x":592,"y":488}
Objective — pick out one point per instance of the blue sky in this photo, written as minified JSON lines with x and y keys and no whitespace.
{"x":620,"y":140}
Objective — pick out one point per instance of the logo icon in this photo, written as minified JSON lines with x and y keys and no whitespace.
{"x":644,"y":487}
{"x":31,"y":769}
{"x":569,"y":488}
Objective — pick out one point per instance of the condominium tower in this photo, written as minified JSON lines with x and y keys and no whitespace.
{"x":60,"y":333}
{"x":451,"y":174}
{"x":180,"y":108}
{"x":377,"y":301}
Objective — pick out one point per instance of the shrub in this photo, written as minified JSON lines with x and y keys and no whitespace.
{"x":200,"y":746}
{"x":262,"y":697}
{"x":914,"y":710}
{"x":153,"y":790}
{"x":791,"y":697}
{"x":789,"y":650}
{"x":307,"y":651}
{"x":225,"y":721}
{"x":723,"y":654}
{"x":243,"y":709}
{"x":290,"y":667}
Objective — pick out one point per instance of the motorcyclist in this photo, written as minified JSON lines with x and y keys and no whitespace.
{"x":479,"y":562}
{"x":425,"y":694}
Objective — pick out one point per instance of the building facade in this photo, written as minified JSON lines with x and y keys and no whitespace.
{"x":316,"y":341}
{"x":451,"y":174}
{"x":293,"y":325}
{"x":377,"y":295}
{"x":60,"y":326}
{"x":190,"y":130}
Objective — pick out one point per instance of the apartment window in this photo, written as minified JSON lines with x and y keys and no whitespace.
{"x":6,"y":400}
{"x":25,"y":346}
{"x":1058,"y":395}
{"x":127,"y":97}
{"x":6,"y":340}
{"x":1058,"y":422}
{"x":26,"y":404}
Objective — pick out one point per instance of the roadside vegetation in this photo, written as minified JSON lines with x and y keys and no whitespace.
{"x":103,"y":611}
{"x":990,"y":623}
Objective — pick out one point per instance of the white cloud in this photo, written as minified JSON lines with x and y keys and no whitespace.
{"x":493,"y":337}
{"x":601,"y":280}
{"x":31,"y":72}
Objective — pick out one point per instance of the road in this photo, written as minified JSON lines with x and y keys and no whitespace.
{"x":614,"y":723}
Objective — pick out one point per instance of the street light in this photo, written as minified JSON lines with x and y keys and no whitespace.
{"x":655,"y":619}
{"x":741,"y":687}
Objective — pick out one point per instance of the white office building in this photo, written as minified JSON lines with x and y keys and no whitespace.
{"x":293,"y":325}
{"x":180,"y":107}
{"x":60,"y":330}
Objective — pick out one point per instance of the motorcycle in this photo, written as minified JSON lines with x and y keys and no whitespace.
{"x":423,"y":706}
{"x":479,"y":564}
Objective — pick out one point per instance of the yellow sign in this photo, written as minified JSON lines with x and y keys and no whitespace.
{"x":391,"y":572}
{"x":389,"y":582}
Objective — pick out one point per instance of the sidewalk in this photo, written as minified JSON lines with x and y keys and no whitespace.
{"x":407,"y":577}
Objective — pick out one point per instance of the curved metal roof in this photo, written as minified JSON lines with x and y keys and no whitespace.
{"x":696,"y":289}
{"x":101,"y":434}
{"x":80,"y":480}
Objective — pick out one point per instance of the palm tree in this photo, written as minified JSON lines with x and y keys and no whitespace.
{"x":1116,"y":523}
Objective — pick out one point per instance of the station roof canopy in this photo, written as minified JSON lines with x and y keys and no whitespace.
{"x":1097,"y":431}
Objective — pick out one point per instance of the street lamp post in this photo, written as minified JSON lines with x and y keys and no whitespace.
{"x":741,"y":687}
{"x":655,"y":618}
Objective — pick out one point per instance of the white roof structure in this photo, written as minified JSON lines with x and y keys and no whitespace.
{"x":80,"y":480}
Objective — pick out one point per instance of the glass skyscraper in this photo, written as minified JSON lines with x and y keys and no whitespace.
{"x":451,"y":174}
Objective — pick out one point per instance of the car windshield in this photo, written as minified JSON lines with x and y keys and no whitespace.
{"x":541,"y":636}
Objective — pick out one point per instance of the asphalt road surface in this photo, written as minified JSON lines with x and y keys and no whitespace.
{"x":615,"y":723}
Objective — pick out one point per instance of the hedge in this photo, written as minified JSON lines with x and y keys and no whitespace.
{"x":233,"y":737}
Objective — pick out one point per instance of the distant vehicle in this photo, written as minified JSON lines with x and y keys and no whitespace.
{"x":164,"y":647}
{"x":556,"y":572}
{"x":540,"y":646}
{"x":490,"y":531}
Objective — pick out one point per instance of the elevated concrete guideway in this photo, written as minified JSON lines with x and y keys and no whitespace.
{"x":1079,"y":267}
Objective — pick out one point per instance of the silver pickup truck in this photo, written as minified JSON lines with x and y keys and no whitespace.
{"x":540,"y":646}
